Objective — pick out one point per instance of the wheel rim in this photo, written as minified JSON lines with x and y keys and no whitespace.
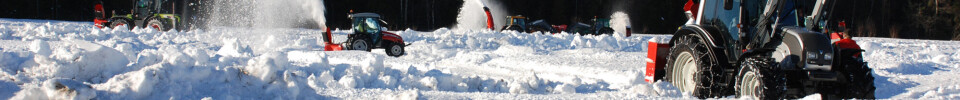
{"x":155,"y":26}
{"x":360,"y":45}
{"x":396,"y":49}
{"x":750,"y":85}
{"x":686,"y":72}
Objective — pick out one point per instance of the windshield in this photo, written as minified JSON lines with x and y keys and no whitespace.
{"x":372,"y":25}
{"x":143,"y":3}
{"x":366,"y":25}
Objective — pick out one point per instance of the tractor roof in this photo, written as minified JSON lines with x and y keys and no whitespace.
{"x":365,"y":15}
{"x":517,"y":17}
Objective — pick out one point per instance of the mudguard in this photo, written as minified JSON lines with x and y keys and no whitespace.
{"x":718,"y":42}
{"x":705,"y":32}
{"x":392,"y":37}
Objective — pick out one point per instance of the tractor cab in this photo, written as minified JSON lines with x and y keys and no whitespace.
{"x":143,"y":8}
{"x":368,"y":24}
{"x":517,"y":23}
{"x":601,"y":26}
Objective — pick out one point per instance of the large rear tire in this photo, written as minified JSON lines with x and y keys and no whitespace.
{"x":691,"y":68}
{"x":757,"y":79}
{"x":360,"y":43}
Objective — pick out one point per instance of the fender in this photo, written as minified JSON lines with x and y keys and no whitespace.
{"x":704,"y":32}
{"x":392,"y":37}
{"x":172,"y":19}
{"x":754,"y":52}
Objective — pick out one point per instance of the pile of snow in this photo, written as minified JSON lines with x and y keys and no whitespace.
{"x":73,"y":60}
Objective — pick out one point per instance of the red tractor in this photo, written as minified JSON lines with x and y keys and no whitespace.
{"x":368,"y":33}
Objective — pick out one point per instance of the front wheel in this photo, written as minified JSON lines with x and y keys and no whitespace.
{"x":395,"y":49}
{"x":120,"y":22}
{"x":858,"y":78}
{"x":158,"y":24}
{"x":758,"y":79}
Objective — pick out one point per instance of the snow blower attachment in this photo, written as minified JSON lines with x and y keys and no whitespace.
{"x":367,"y":34}
{"x":327,"y":40}
{"x":659,"y":48}
{"x":101,"y":20}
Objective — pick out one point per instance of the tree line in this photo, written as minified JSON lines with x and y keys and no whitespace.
{"x":911,"y":19}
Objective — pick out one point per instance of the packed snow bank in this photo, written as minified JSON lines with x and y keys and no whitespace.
{"x":72,"y":60}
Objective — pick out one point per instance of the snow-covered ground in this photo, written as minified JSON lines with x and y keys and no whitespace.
{"x":60,"y":59}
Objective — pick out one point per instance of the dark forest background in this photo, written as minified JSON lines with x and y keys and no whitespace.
{"x":912,"y":19}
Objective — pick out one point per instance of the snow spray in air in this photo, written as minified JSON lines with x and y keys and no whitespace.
{"x":619,"y":22}
{"x":266,"y":13}
{"x":473,"y":16}
{"x":620,"y":19}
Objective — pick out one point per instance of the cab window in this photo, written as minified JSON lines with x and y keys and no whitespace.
{"x":143,"y":3}
{"x":372,"y":25}
{"x":730,"y":18}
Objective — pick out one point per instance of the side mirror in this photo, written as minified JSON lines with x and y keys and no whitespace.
{"x":727,"y":4}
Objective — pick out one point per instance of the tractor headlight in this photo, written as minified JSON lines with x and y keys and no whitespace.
{"x":811,"y":55}
{"x":828,"y":56}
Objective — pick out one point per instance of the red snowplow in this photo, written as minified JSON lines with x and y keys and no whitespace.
{"x":367,"y":34}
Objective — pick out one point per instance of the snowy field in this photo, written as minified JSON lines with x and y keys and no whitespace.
{"x":41,"y":59}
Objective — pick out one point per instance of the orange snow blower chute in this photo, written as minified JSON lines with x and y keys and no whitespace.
{"x":489,"y":18}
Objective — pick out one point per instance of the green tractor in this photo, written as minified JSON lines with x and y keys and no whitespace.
{"x":601,"y":26}
{"x":157,"y":14}
{"x":519,"y":23}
